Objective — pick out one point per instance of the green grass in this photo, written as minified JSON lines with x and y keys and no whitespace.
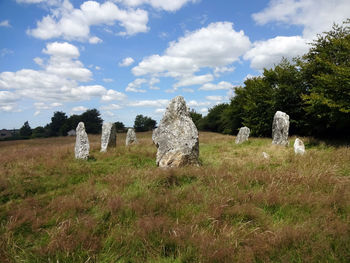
{"x":119,"y":207}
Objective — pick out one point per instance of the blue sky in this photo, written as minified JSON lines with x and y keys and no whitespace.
{"x":129,"y":57}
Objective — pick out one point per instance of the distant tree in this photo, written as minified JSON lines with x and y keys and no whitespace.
{"x":119,"y":126}
{"x":58,"y":119}
{"x":144,"y":123}
{"x":196,"y":117}
{"x":39,"y":132}
{"x":212,"y":122}
{"x":92,"y":121}
{"x":73,"y":121}
{"x":25,"y":131}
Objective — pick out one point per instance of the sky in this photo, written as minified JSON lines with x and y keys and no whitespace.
{"x":130,"y":57}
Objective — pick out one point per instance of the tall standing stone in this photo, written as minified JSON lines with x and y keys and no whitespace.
{"x":130,"y":137}
{"x":299,"y":147}
{"x":280,"y":128}
{"x":82,"y":146}
{"x":176,"y":136}
{"x":242,"y":135}
{"x":108,"y":137}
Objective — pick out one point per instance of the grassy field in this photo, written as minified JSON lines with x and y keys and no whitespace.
{"x":119,"y":207}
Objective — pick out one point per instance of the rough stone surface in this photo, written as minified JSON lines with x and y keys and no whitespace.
{"x":82,"y":146}
{"x":130,"y":137}
{"x":242,"y":135}
{"x":280,"y":128}
{"x":176,"y":137}
{"x":266,"y":155}
{"x":108,"y":137}
{"x":299,"y":147}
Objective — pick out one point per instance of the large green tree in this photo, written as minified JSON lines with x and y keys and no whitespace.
{"x":58,"y":120}
{"x":326,"y":72}
{"x":25,"y":131}
{"x":144,"y":123}
{"x":92,"y":121}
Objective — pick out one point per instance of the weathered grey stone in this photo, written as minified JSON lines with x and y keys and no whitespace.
{"x":299,"y":147}
{"x":82,"y":146}
{"x":131,"y":137}
{"x":280,"y":128}
{"x":266,"y":155}
{"x":242,"y":135}
{"x":176,"y":137}
{"x":108,"y":136}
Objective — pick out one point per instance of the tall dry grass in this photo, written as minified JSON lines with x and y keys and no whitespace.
{"x":119,"y":207}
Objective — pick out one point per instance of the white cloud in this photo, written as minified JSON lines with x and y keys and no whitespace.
{"x":74,"y":24}
{"x":264,"y":54}
{"x":113,"y":95}
{"x":5,"y":51}
{"x":216,"y":46}
{"x":167,"y":5}
{"x":135,"y":86}
{"x":7,"y":97}
{"x":203,"y":110}
{"x":39,"y":61}
{"x":5,"y":23}
{"x":9,"y":108}
{"x":149,"y":103}
{"x":222,"y":85}
{"x":194,"y":103}
{"x":315,"y":16}
{"x":36,"y":113}
{"x":58,"y":80}
{"x":109,"y":113}
{"x":193,"y":80}
{"x":95,"y":40}
{"x":220,"y":70}
{"x":160,"y":110}
{"x":107,"y":80}
{"x":111,"y":107}
{"x":97,"y":68}
{"x":188,"y":90}
{"x":45,"y":106}
{"x":214,"y":98}
{"x":126,"y":62}
{"x":79,"y":109}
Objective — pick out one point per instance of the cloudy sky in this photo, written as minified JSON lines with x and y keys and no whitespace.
{"x":129,"y":57}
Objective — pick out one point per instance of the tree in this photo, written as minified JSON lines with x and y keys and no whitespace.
{"x":119,"y":126}
{"x":39,"y":132}
{"x":326,"y":72}
{"x":92,"y":121}
{"x":196,"y":117}
{"x":25,"y":131}
{"x":57,"y":121}
{"x":212,"y":122}
{"x":144,"y":123}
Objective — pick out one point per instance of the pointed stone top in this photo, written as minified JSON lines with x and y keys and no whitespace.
{"x":281,"y":114}
{"x":176,"y":108}
{"x":80,"y":126}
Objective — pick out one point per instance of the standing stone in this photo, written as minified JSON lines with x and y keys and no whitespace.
{"x":299,"y":147}
{"x":108,"y":137}
{"x":130,"y":137}
{"x":82,"y":145}
{"x":266,"y":155}
{"x":280,"y":128}
{"x":242,"y":135}
{"x":176,"y":136}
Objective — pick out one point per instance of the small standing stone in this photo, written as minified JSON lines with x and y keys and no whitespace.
{"x":280,"y":128}
{"x":176,"y":136}
{"x":108,"y":137}
{"x":266,"y":155}
{"x":242,"y":135}
{"x":82,"y":146}
{"x":299,"y":147}
{"x":130,"y":137}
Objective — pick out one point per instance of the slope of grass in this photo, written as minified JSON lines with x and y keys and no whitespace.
{"x":119,"y":207}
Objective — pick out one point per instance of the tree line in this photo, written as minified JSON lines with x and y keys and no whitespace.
{"x":314,"y":90}
{"x":61,"y":124}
